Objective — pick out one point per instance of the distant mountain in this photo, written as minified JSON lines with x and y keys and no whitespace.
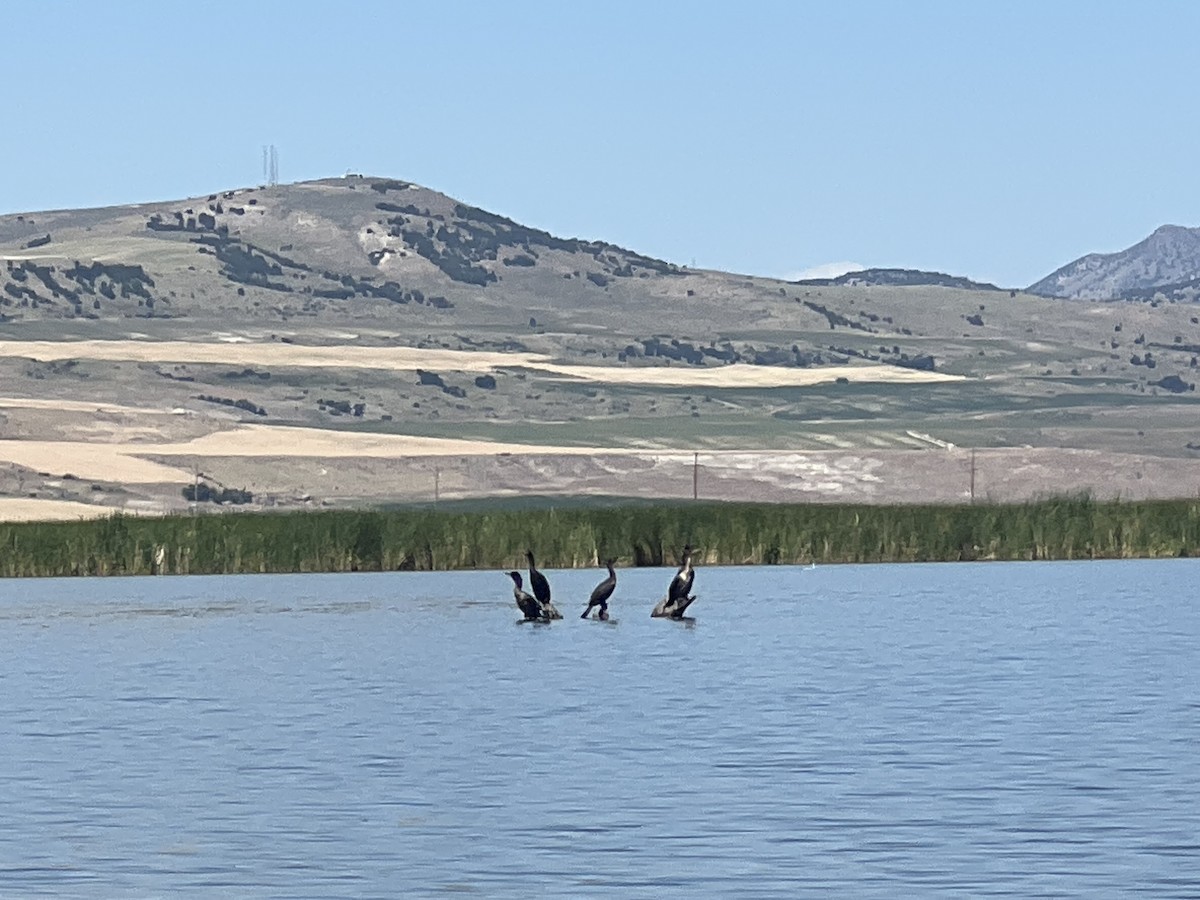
{"x":1168,"y":262}
{"x":900,"y":278}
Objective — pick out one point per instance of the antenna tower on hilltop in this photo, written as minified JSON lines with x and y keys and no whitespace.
{"x":270,"y":165}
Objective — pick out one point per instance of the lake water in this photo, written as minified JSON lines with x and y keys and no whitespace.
{"x":1026,"y":729}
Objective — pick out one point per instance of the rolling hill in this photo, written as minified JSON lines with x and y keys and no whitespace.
{"x":226,"y":334}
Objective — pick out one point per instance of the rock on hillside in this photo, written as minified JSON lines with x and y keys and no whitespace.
{"x":1168,"y":258}
{"x":900,"y":278}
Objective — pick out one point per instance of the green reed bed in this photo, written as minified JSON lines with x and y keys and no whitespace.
{"x":574,"y":536}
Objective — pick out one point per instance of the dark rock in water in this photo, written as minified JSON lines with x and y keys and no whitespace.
{"x":667,"y":609}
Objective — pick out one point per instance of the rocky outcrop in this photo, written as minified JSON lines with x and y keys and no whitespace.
{"x":900,"y":278}
{"x":1168,"y":258}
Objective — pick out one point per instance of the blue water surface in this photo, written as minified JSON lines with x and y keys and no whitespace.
{"x":995,"y":729}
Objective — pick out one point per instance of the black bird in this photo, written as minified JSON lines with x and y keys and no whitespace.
{"x":678,"y":596}
{"x":602,"y":592}
{"x":526,"y":603}
{"x":541,"y":588}
{"x":681,"y":584}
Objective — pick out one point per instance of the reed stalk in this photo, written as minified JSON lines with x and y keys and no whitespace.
{"x":580,"y":536}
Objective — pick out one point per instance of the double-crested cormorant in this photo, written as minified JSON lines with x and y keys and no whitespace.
{"x":678,"y":596}
{"x":541,"y":588}
{"x":681,"y":584}
{"x":526,"y":603}
{"x":601,"y":593}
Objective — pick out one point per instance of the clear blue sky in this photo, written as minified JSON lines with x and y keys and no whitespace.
{"x":997,"y":140}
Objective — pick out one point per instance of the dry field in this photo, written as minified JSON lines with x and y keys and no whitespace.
{"x":408,"y":359}
{"x":80,"y":457}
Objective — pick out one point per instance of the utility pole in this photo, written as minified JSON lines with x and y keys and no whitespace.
{"x":695,"y":476}
{"x":437,"y":478}
{"x":270,"y":159}
{"x":972,"y":476}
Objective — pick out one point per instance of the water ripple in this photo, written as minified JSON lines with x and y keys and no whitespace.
{"x":967,"y":730}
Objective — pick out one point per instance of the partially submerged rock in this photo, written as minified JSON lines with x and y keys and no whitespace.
{"x":672,"y":609}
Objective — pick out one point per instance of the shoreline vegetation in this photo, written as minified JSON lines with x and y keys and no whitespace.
{"x":636,"y":533}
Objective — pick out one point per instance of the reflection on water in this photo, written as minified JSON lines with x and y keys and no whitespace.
{"x":952,"y":730}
